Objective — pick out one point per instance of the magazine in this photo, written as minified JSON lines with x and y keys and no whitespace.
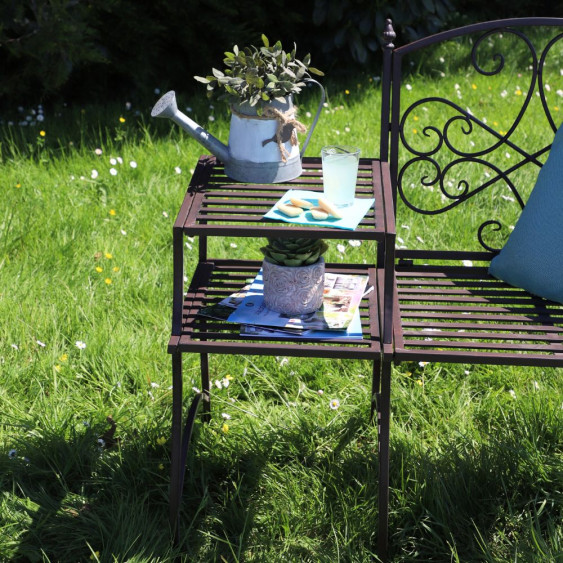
{"x":354,"y":330}
{"x":342,"y":296}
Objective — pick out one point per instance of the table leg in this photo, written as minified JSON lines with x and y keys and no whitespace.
{"x":205,"y":387}
{"x":384,"y":415}
{"x":175,"y":456}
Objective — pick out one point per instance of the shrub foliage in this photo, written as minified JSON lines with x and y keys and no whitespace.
{"x":91,"y":50}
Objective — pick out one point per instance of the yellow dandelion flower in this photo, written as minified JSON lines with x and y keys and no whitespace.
{"x":108,"y":255}
{"x":121,"y":120}
{"x":556,"y":108}
{"x":18,"y":185}
{"x":225,"y":428}
{"x":42,"y":133}
{"x":115,"y":268}
{"x":347,"y":92}
{"x":63,"y":358}
{"x":415,"y":117}
{"x":99,"y":269}
{"x":474,"y":86}
{"x":229,"y":377}
{"x":57,"y":368}
{"x":112,"y":212}
{"x":419,"y":381}
{"x":518,"y":92}
{"x":495,"y":123}
{"x":108,"y":281}
{"x":415,"y":131}
{"x":161,"y":441}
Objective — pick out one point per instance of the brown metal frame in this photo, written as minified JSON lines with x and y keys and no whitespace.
{"x":436,"y":308}
{"x":215,"y":205}
{"x":443,"y":310}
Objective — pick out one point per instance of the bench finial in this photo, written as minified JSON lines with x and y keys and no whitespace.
{"x":389,"y":34}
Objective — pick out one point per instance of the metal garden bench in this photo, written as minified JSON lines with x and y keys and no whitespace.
{"x":461,"y":165}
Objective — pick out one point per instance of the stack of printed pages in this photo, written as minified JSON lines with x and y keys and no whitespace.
{"x":339,"y":317}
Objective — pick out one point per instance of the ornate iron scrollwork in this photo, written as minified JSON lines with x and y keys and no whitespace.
{"x":439,"y":151}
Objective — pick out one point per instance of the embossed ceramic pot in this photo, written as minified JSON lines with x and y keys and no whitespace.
{"x":293,"y":290}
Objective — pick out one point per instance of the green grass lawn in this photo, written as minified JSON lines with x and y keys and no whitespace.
{"x":89,"y":196}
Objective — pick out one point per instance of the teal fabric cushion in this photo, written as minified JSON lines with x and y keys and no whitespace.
{"x":532,"y":257}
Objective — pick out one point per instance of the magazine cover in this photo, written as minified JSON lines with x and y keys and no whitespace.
{"x":342,"y":296}
{"x":354,"y":330}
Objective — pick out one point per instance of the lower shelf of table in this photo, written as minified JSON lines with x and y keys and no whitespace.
{"x":217,"y":279}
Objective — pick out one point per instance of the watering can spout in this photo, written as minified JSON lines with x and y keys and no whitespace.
{"x":167,"y":107}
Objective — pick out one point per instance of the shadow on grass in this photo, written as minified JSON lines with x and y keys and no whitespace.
{"x":72,"y":499}
{"x":289,"y":492}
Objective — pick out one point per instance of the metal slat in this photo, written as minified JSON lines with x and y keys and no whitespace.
{"x":224,"y":207}
{"x":214,"y":280}
{"x":461,"y":314}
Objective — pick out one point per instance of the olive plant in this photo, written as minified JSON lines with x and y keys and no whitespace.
{"x":257,"y":75}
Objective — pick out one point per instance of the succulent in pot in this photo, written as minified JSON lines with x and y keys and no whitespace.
{"x":293,"y":274}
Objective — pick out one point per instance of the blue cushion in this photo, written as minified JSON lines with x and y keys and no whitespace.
{"x":532,"y":257}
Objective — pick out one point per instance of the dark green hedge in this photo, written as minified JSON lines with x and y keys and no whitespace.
{"x":89,"y":50}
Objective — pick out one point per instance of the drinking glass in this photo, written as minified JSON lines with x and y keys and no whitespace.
{"x":340,"y":170}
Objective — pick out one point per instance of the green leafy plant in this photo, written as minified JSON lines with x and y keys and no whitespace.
{"x":257,"y":75}
{"x":294,"y":251}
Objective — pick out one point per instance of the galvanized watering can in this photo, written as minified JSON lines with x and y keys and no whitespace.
{"x":262,"y":148}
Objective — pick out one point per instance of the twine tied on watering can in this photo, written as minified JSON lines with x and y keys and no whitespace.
{"x":287,"y":129}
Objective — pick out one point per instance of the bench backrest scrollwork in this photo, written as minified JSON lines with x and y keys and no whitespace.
{"x":476,"y":148}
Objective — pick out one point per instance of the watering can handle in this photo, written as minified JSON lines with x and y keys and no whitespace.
{"x":317,"y":115}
